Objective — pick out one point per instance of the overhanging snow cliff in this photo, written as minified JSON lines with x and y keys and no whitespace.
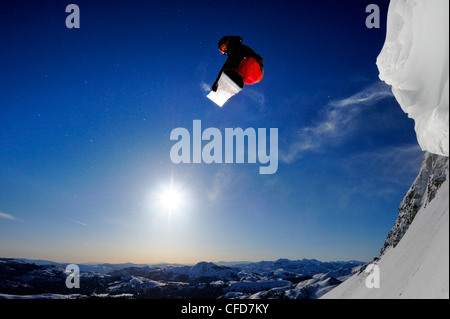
{"x":415,"y":62}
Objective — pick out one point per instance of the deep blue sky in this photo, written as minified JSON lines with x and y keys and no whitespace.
{"x":86,"y":115}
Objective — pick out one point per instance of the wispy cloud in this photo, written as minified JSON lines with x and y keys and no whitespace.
{"x":395,"y":165}
{"x":384,"y":173}
{"x":78,"y":222}
{"x":337,"y":121}
{"x":380,"y":173}
{"x":256,"y":97}
{"x":221,"y":181}
{"x":7,"y":216}
{"x":205,"y":87}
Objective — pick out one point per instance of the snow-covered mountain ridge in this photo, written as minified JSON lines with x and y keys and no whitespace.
{"x":283,"y":278}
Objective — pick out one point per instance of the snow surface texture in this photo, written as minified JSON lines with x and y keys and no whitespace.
{"x":415,"y":62}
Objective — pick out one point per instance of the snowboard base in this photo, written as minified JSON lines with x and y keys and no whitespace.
{"x":230,"y":83}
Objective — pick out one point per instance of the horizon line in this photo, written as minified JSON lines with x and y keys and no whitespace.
{"x":92,"y":263}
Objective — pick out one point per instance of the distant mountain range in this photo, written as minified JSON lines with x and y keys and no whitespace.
{"x":284,"y":278}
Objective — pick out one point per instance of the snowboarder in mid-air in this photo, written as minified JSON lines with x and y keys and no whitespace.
{"x":242,"y":59}
{"x":243,"y":66}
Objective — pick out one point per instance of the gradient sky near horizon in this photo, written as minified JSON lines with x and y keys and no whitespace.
{"x":86,"y":115}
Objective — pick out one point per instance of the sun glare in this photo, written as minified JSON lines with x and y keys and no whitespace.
{"x":170,"y":199}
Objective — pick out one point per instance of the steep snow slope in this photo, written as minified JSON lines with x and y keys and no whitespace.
{"x":414,"y":261}
{"x":415,"y":62}
{"x":433,"y":172}
{"x":418,"y":266}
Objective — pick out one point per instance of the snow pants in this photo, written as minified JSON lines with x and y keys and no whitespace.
{"x":250,"y":70}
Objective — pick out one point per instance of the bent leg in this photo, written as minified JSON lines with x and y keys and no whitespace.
{"x":250,"y":71}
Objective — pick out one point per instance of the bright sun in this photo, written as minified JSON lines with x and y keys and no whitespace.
{"x":170,"y":199}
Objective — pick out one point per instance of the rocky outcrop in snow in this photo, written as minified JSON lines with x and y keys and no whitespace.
{"x":433,"y":172}
{"x":417,"y":267}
